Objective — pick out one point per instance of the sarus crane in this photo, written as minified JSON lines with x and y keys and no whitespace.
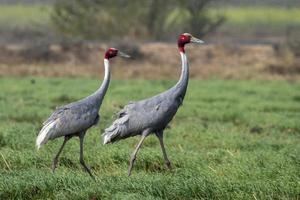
{"x":152,"y":115}
{"x":76,"y":118}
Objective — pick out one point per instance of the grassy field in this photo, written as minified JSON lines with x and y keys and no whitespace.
{"x":230,"y":140}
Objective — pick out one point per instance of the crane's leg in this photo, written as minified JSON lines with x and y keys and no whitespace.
{"x":81,"y":137}
{"x":55,"y":159}
{"x":133,"y":156}
{"x":160,"y":137}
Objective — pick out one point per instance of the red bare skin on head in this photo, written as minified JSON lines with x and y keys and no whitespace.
{"x":182,"y":40}
{"x":110,"y":53}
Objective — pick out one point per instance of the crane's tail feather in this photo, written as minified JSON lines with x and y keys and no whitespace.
{"x":45,"y":134}
{"x":116,"y":130}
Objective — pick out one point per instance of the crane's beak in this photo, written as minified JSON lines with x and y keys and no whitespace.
{"x":123,"y":54}
{"x":196,"y":40}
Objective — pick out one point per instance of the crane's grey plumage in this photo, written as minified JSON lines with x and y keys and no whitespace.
{"x":76,"y":118}
{"x":151,"y":115}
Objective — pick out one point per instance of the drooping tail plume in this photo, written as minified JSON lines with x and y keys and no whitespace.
{"x":116,"y":130}
{"x":45,"y":134}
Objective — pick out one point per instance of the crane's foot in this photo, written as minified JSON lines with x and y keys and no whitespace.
{"x":90,"y":173}
{"x":168,"y":164}
{"x":131,"y":165}
{"x":87,"y":169}
{"x":55,"y":159}
{"x":133,"y":156}
{"x":54,"y":165}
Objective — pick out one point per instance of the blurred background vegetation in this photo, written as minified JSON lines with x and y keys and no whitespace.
{"x":152,"y":20}
{"x":34,"y":31}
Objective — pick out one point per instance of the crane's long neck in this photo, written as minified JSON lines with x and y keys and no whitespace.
{"x":181,"y":85}
{"x":100,"y":93}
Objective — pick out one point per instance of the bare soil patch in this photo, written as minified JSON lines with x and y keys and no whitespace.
{"x":150,"y":61}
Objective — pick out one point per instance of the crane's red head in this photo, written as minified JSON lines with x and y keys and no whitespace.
{"x":113,"y":52}
{"x":186,"y":38}
{"x":110,"y":53}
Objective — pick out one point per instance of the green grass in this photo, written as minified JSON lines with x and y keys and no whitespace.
{"x":230,"y":140}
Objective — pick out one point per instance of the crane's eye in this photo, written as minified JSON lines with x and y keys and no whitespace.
{"x":184,"y":39}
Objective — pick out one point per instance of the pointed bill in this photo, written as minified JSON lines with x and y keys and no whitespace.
{"x":196,"y":40}
{"x":120,"y":53}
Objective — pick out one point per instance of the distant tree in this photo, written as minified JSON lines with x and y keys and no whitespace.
{"x":152,"y":19}
{"x":87,"y":19}
{"x":155,"y":17}
{"x":192,"y":16}
{"x":199,"y":21}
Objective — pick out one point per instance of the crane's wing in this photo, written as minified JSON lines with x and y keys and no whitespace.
{"x":58,"y":112}
{"x":68,"y":119}
{"x":138,"y":116}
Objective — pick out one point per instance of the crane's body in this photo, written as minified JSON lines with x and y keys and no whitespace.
{"x":70,"y":120}
{"x":152,"y":115}
{"x":76,"y":118}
